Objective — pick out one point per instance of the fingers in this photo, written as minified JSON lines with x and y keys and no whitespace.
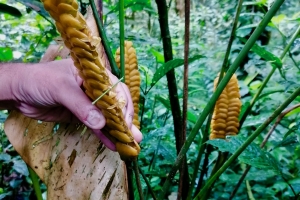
{"x":72,"y":97}
{"x":138,"y":136}
{"x":109,"y":144}
{"x":124,"y":94}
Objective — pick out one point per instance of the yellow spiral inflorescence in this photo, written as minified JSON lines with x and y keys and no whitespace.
{"x":77,"y":37}
{"x":132,"y":77}
{"x":225,"y":119}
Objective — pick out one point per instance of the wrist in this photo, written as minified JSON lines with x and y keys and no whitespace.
{"x":6,"y":76}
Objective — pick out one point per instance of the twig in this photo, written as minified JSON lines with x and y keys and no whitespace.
{"x":137,"y":178}
{"x":286,"y":181}
{"x":147,"y":183}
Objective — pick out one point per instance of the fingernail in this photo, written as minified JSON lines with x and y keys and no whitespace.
{"x":95,"y":119}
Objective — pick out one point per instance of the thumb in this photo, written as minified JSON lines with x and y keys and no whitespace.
{"x":72,"y":97}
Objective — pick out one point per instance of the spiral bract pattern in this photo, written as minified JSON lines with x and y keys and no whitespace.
{"x":225,"y":119}
{"x":132,"y":77}
{"x":77,"y":37}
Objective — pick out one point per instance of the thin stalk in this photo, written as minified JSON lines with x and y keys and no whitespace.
{"x":137,"y":178}
{"x":147,"y":183}
{"x":130,"y":179}
{"x":263,"y":85}
{"x":114,"y":68}
{"x":231,"y":38}
{"x":203,"y":146}
{"x":122,"y":38}
{"x":208,"y":108}
{"x":249,"y":191}
{"x":182,"y":193}
{"x":250,"y":139}
{"x":35,"y":182}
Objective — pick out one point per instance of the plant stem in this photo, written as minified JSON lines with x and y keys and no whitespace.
{"x":248,"y":141}
{"x":208,"y":108}
{"x":232,"y":34}
{"x":203,"y":146}
{"x":137,"y":178}
{"x":35,"y":182}
{"x":182,"y":194}
{"x":249,"y":191}
{"x":172,"y":85}
{"x":122,"y":38}
{"x":263,"y":85}
{"x":147,"y":183}
{"x":114,"y":68}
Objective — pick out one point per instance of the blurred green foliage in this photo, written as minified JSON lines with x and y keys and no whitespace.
{"x":26,"y":39}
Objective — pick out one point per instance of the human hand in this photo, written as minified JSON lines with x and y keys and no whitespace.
{"x":51,"y":92}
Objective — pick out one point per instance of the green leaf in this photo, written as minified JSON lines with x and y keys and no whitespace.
{"x":288,"y":141}
{"x":6,"y":54}
{"x":164,"y":101}
{"x":253,"y":154}
{"x":4,"y":8}
{"x":277,"y":19}
{"x":267,"y":56}
{"x":158,"y":56}
{"x":295,"y":111}
{"x":172,"y":64}
{"x":191,"y":117}
{"x":20,"y":167}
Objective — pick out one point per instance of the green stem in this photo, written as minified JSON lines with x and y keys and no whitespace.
{"x":232,"y":34}
{"x":122,"y":38}
{"x":263,"y":85}
{"x":35,"y":182}
{"x":198,"y":160}
{"x":208,"y":108}
{"x":114,"y":68}
{"x":248,"y":142}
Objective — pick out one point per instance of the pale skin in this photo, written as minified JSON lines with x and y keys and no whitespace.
{"x":52,"y":92}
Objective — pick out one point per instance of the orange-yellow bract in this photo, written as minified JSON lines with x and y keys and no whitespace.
{"x":132,"y":77}
{"x":77,"y":37}
{"x":225,"y":119}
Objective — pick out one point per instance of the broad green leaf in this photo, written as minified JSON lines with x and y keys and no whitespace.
{"x":6,"y":54}
{"x":267,"y":56}
{"x":158,"y":56}
{"x":166,"y":67}
{"x":5,"y":157}
{"x":20,"y":167}
{"x":4,"y":8}
{"x":191,"y":117}
{"x":253,"y":155}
